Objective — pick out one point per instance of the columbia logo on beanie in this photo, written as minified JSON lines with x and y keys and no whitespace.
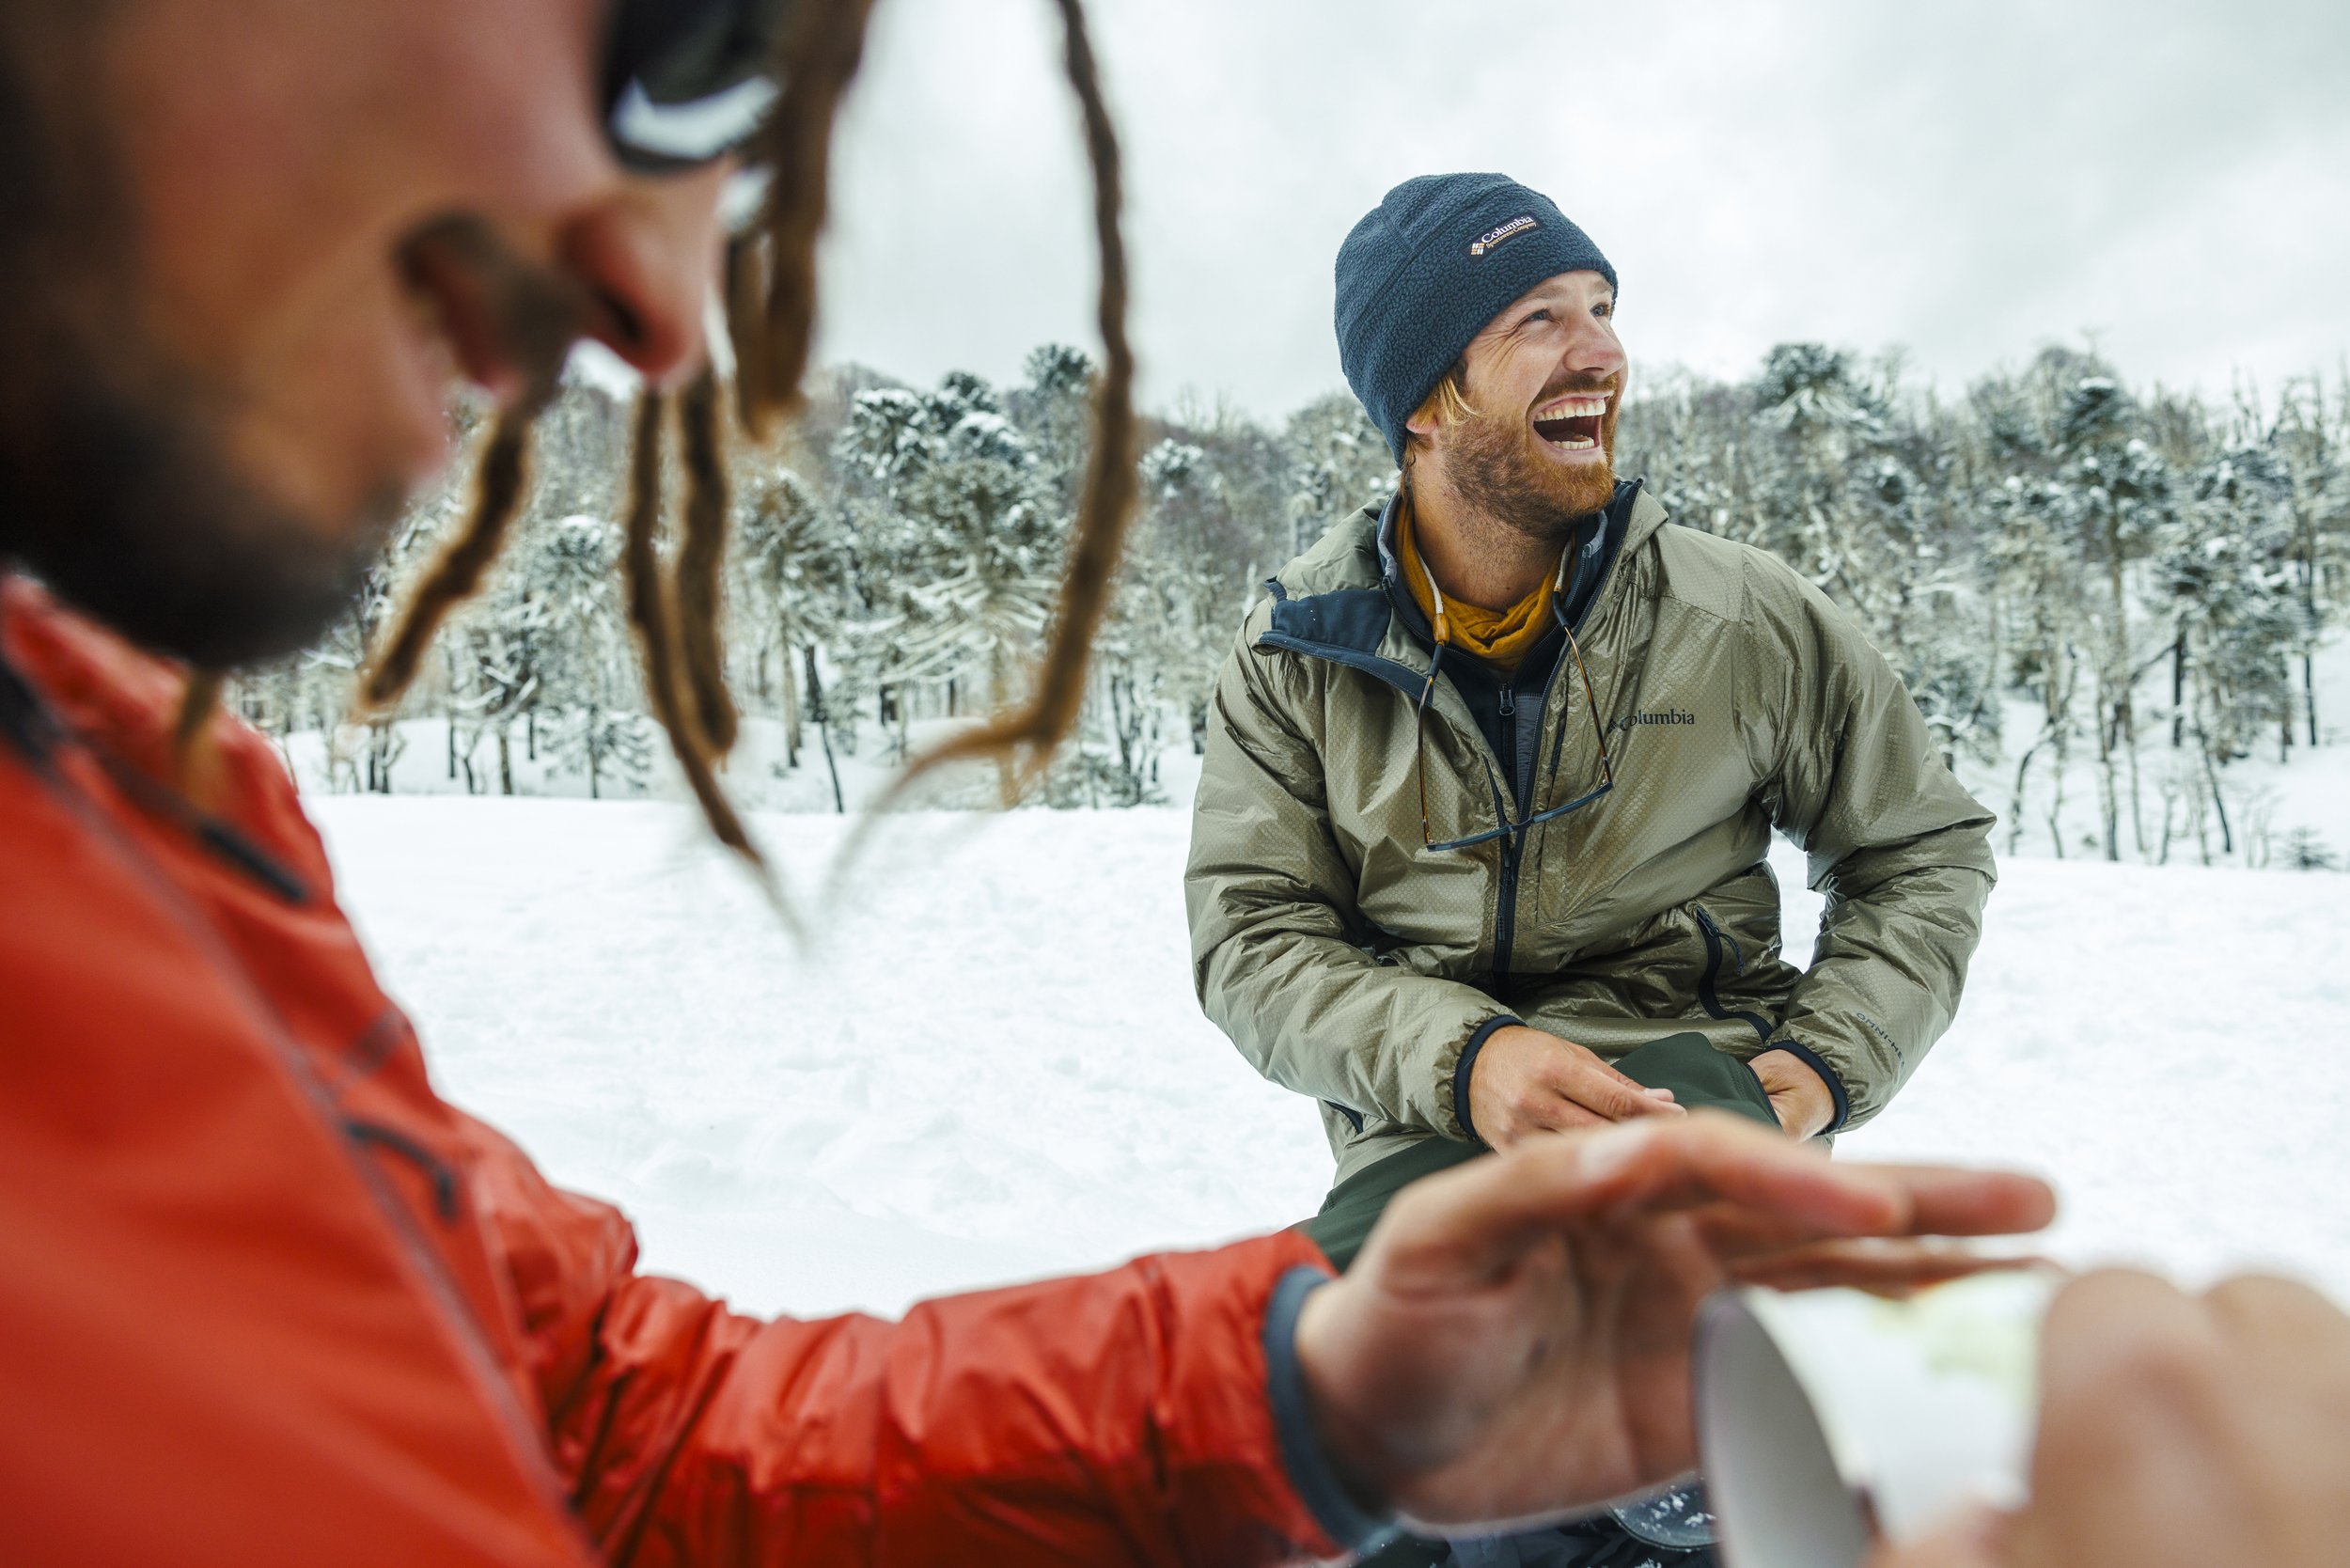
{"x":1493,"y":237}
{"x":1426,"y":269}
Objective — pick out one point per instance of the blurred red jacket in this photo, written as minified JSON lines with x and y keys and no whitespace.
{"x":265,"y":1298}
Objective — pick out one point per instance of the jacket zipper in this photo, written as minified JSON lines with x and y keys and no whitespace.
{"x":1512,"y":850}
{"x":1506,"y":915}
{"x":444,"y":1300}
{"x":1709,"y":997}
{"x":1506,"y":919}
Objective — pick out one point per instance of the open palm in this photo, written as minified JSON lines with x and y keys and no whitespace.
{"x":1513,"y":1342}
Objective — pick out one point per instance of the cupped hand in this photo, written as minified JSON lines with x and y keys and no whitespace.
{"x":1527,"y":1081}
{"x":2176,"y":1432}
{"x":1513,"y":1342}
{"x":1799,"y":1097}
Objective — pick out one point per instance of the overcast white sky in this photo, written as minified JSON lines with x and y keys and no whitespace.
{"x":2169,"y":178}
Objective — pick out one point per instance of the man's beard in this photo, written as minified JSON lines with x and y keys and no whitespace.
{"x":1492,"y":464}
{"x":122,"y":505}
{"x":114,"y":489}
{"x":114,"y":483}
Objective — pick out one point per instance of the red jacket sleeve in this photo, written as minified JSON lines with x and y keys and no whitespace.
{"x":1119,"y":1418}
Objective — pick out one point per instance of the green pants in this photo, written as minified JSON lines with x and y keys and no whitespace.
{"x":1698,"y":1075}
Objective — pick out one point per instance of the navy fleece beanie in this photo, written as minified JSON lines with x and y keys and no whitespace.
{"x":1428,"y":267}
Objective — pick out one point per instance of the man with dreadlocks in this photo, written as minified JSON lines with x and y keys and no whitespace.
{"x":264,"y":1297}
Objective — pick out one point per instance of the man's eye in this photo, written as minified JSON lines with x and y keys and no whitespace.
{"x":1537,"y":316}
{"x":1605,"y":307}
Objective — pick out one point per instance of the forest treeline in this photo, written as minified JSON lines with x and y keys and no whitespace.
{"x":2152,"y":572}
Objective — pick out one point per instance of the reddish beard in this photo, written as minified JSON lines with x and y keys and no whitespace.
{"x":1493,"y":463}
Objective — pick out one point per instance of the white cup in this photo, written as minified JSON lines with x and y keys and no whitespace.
{"x":1830,"y":1420}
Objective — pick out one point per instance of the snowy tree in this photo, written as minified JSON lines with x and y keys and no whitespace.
{"x":1145,"y":653}
{"x":1055,"y":411}
{"x":605,"y":745}
{"x":1853,"y":487}
{"x":798,"y":564}
{"x":1339,"y":464}
{"x":496,"y":663}
{"x":1693,"y":441}
{"x":2311,"y":443}
{"x":963,"y":540}
{"x":2111,"y":491}
{"x":585,"y":666}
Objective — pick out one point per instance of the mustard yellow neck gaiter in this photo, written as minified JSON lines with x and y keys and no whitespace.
{"x":1501,"y":638}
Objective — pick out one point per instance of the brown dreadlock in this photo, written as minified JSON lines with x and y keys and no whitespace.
{"x":746,"y":324}
{"x":701,"y":558}
{"x":771,"y":310}
{"x":456,"y":573}
{"x":1107,"y":503}
{"x":821,"y":50}
{"x":653,"y":617}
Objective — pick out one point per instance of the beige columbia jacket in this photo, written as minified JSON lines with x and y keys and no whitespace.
{"x":1352,"y":963}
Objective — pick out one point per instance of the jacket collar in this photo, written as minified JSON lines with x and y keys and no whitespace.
{"x":87,"y":682}
{"x":26,"y":726}
{"x":1360,"y":552}
{"x":1344,"y":600}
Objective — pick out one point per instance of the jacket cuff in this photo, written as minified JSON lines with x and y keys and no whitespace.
{"x":1344,"y":1519}
{"x":1827,"y":1076}
{"x":1462,"y":1069}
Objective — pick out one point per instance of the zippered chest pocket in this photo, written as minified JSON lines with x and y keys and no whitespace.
{"x":1721,"y":946}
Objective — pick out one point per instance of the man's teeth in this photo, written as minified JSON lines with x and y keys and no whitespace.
{"x":1579,"y":407}
{"x":1574,"y":443}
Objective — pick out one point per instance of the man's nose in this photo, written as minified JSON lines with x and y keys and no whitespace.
{"x":1594,"y":350}
{"x":647,"y":255}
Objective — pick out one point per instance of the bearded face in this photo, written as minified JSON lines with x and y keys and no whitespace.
{"x":114,"y":492}
{"x":1528,"y":445}
{"x":114,"y":487}
{"x":1539,"y":470}
{"x":246,"y":252}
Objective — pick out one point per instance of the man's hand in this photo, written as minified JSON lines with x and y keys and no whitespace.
{"x":2177,"y":1431}
{"x":1513,"y":1340}
{"x":1526,"y":1081}
{"x":1801,"y":1098}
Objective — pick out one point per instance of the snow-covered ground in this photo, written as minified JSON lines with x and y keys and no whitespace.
{"x":988,"y":1063}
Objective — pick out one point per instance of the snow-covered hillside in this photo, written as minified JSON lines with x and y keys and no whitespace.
{"x":2272,"y":796}
{"x":989,"y":1065}
{"x":2278,"y":800}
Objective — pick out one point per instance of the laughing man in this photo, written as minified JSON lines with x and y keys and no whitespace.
{"x":1479,"y":851}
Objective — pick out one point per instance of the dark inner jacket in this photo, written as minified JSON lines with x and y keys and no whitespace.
{"x":1496,"y":697}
